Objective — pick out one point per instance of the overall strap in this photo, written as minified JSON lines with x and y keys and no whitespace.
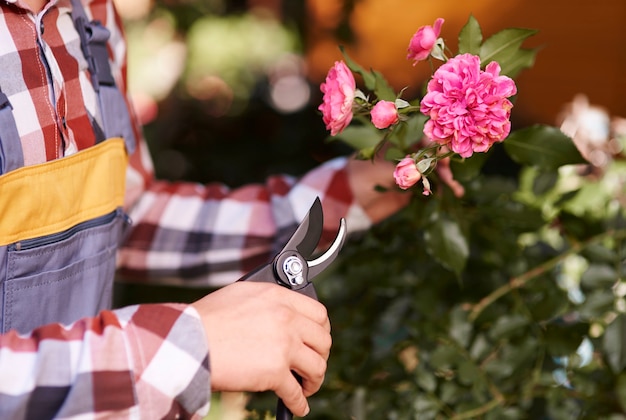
{"x":115,"y":117}
{"x":11,"y":155}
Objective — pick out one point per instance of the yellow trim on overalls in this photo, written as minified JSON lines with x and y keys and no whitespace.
{"x":40,"y":200}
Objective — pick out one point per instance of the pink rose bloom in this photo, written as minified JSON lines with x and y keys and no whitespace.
{"x":406,"y":173}
{"x":468,"y":108}
{"x":384,"y":114}
{"x":338,"y":90}
{"x":423,"y":41}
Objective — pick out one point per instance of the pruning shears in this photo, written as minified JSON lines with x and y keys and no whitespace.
{"x":293,"y":268}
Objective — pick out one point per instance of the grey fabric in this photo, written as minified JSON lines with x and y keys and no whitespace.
{"x":116,"y":119}
{"x":60,"y":278}
{"x":11,"y":156}
{"x":113,"y":108}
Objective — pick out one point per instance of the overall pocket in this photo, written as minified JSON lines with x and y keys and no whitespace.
{"x":61,"y":277}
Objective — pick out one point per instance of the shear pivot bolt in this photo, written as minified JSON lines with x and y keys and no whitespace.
{"x":293,"y":269}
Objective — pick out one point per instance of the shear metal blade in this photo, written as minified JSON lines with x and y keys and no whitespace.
{"x":320,"y":263}
{"x":309,"y":232}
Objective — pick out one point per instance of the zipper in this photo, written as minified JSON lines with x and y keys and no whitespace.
{"x":61,"y":236}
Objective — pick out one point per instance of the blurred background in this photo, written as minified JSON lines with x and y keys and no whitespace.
{"x":228,"y":90}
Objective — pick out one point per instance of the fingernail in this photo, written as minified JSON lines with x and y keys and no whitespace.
{"x":307,"y":411}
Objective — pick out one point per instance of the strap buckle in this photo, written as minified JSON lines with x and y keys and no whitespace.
{"x":94,"y":37}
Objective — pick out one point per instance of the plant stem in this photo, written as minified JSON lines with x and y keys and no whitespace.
{"x":523,"y":279}
{"x":470,"y":414}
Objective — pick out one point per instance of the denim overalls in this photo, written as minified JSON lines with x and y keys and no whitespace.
{"x":61,"y":221}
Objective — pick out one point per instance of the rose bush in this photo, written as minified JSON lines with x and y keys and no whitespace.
{"x":501,"y":294}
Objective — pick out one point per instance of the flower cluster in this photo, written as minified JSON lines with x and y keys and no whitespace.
{"x":466,"y":108}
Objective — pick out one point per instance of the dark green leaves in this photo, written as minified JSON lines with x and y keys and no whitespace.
{"x":563,"y":339}
{"x":615,"y":344}
{"x":361,"y":137}
{"x":374,"y":80}
{"x":542,"y":146}
{"x":447,"y":244}
{"x":505,"y":47}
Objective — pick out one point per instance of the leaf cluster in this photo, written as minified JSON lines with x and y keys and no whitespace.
{"x":465,"y":308}
{"x":507,"y":303}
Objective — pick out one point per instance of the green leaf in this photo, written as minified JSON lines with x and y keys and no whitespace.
{"x":446,"y":243}
{"x":597,"y":304}
{"x":408,"y":132}
{"x":426,"y":380}
{"x":507,"y":325}
{"x":425,"y":406}
{"x":564,"y":339}
{"x":468,"y":168}
{"x":359,"y":137}
{"x":468,"y":372}
{"x":599,"y":276}
{"x":382,"y":89}
{"x":470,"y":37}
{"x":445,"y":357}
{"x":544,"y":182}
{"x":393,"y":154}
{"x":368,"y":78}
{"x":460,"y":327}
{"x":620,"y":390}
{"x":520,"y":60}
{"x":503,"y":45}
{"x":542,"y":146}
{"x":615,"y":343}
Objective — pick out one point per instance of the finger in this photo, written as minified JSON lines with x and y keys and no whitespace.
{"x":310,"y":308}
{"x":311,"y":367}
{"x":290,"y":391}
{"x":314,"y":336}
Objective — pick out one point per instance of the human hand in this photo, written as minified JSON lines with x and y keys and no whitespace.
{"x":364,"y":176}
{"x":258,"y":333}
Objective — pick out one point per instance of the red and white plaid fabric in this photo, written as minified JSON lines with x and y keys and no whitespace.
{"x":140,"y":362}
{"x":147,"y":361}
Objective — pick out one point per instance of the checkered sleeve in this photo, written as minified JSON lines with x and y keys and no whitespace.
{"x":145,"y":361}
{"x":209,"y":235}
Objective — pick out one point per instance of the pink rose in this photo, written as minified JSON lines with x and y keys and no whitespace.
{"x":338,"y":90}
{"x":423,"y":41}
{"x":468,"y":108}
{"x":384,"y":114}
{"x":406,"y":173}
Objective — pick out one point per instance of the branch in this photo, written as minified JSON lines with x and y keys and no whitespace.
{"x":523,"y":279}
{"x":471,"y":414}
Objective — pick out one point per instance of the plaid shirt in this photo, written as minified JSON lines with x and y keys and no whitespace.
{"x":147,"y":361}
